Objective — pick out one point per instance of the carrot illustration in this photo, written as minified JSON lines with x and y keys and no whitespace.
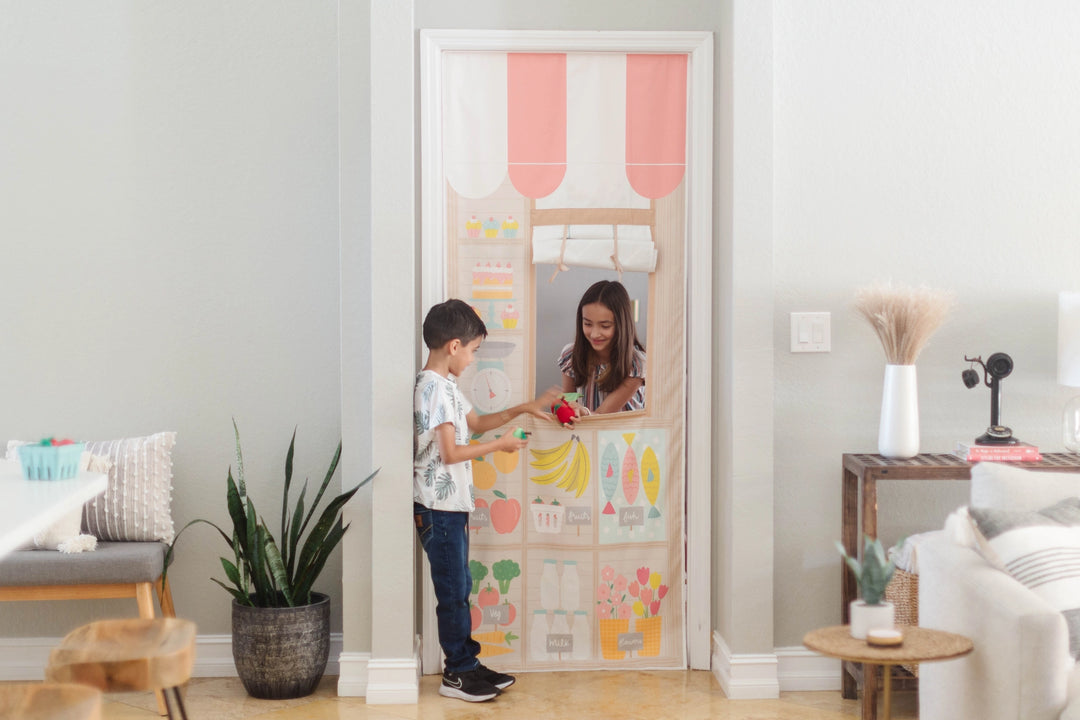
{"x":487,"y":650}
{"x":495,"y":636}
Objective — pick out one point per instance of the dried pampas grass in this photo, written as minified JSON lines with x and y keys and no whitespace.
{"x":904,"y":318}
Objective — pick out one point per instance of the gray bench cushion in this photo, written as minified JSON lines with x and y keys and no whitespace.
{"x":112,"y":562}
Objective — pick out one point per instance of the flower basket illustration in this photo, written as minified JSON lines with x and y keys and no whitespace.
{"x":650,"y":630}
{"x":610,"y":629}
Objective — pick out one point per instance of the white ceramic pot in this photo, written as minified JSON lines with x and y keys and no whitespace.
{"x":870,"y":617}
{"x":898,"y":434}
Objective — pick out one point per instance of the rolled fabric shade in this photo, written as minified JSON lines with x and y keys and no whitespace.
{"x":593,"y":245}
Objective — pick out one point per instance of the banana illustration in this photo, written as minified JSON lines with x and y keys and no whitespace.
{"x":572,"y":476}
{"x":550,"y":476}
{"x":579,"y":478}
{"x":549,"y":458}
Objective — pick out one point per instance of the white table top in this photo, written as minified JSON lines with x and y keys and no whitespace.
{"x":29,"y":506}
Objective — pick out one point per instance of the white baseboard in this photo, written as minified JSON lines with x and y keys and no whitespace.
{"x":763,"y":676}
{"x":801,"y":670}
{"x":394,"y":681}
{"x":24,"y":659}
{"x":353,"y":678}
{"x":744,"y":676}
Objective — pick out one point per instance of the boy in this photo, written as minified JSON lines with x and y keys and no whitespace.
{"x":442,"y":486}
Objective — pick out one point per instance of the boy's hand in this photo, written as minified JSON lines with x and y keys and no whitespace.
{"x":509,"y":442}
{"x":541,"y":406}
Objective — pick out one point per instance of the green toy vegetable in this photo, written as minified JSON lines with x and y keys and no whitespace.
{"x":478,"y":571}
{"x":504,"y":571}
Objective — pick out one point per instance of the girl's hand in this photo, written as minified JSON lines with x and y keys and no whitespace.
{"x":580,"y":409}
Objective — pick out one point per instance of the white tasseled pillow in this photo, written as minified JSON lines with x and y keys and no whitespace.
{"x":136,"y":505}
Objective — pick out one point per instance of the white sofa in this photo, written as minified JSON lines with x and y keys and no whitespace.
{"x":1021,"y":667}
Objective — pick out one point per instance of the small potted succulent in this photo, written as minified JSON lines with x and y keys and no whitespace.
{"x":873,"y":574}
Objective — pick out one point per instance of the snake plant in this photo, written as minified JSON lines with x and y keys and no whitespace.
{"x":265,"y":571}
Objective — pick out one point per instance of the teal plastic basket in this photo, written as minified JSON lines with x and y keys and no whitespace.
{"x":50,"y":462}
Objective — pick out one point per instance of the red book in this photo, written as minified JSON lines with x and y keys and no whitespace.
{"x":1020,"y":452}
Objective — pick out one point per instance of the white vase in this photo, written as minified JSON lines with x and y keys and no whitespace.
{"x":898,"y":434}
{"x":870,"y":617}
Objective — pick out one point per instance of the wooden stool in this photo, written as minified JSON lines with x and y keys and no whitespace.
{"x":129,"y":654}
{"x":49,"y":701}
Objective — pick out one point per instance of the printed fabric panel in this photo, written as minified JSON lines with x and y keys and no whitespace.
{"x":577,"y":542}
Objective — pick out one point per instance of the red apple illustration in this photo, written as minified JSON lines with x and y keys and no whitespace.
{"x":511,"y":613}
{"x":476,"y":615}
{"x":505,"y":513}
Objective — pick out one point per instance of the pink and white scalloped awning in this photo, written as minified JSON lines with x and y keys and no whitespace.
{"x":572,"y":129}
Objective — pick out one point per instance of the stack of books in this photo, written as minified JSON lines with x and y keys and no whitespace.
{"x":1020,"y":452}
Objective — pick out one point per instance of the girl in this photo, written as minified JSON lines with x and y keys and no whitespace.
{"x":606,"y":362}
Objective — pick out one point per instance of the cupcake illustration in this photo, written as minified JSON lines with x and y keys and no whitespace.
{"x":491,"y":228}
{"x":509,"y":317}
{"x":472,"y":227}
{"x":510,"y":227}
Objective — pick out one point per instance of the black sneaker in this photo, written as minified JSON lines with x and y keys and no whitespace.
{"x":498,"y":679}
{"x":468,"y":686}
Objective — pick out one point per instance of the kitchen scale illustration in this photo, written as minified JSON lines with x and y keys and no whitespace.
{"x":486,"y":382}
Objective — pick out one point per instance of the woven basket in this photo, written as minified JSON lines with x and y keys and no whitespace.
{"x":903,"y":592}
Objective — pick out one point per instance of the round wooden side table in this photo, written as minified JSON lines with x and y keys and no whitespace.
{"x":920,"y":645}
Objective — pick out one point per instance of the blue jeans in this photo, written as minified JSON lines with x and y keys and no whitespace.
{"x":445,"y":538}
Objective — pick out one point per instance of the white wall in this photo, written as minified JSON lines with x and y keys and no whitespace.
{"x":924,"y":142}
{"x":169,"y":206}
{"x":168,"y":212}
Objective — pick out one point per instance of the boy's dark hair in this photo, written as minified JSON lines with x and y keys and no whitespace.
{"x":452,"y":320}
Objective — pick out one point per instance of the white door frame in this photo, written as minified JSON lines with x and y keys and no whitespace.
{"x":698,"y":264}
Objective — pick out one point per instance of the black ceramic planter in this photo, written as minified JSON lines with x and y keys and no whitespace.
{"x":281,"y":652}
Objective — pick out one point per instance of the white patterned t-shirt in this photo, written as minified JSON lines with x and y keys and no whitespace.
{"x":436,"y":485}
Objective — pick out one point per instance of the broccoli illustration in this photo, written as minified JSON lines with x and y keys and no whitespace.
{"x":478,"y":571}
{"x":504,"y":571}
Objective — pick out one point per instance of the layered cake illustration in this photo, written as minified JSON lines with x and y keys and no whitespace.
{"x":492,"y":283}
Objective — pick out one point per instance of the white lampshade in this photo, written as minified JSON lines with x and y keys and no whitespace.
{"x":1068,"y":365}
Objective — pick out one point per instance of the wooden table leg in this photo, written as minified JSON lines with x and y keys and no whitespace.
{"x":869,"y":508}
{"x":887,"y":701}
{"x":869,"y":691}
{"x":849,"y":537}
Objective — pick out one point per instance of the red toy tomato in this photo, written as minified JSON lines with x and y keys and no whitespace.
{"x":562,"y":410}
{"x":487,"y":596}
{"x":476,"y":615}
{"x":505,"y":513}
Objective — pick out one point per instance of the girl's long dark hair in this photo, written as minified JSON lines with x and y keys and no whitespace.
{"x":613,"y":296}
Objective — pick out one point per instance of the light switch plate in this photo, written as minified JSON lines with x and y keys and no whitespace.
{"x":811,"y":332}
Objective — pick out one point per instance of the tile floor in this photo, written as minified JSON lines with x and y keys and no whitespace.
{"x":655,"y":695}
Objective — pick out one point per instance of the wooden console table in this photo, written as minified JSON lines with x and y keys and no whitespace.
{"x":860,"y":476}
